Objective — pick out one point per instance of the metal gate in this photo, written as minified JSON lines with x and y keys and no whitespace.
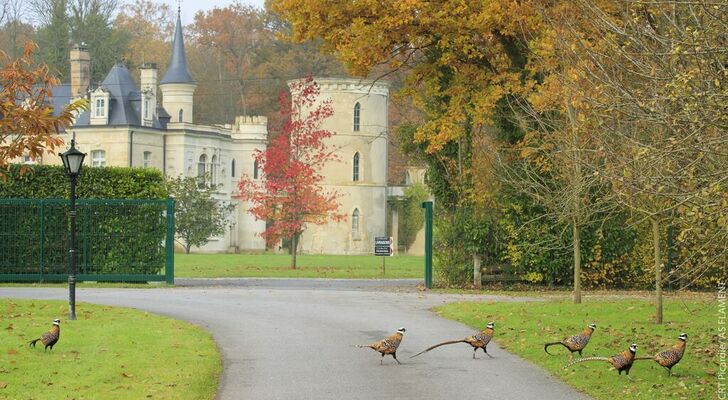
{"x":117,"y":240}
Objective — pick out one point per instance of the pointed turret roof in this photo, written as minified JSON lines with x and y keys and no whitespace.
{"x":177,"y":71}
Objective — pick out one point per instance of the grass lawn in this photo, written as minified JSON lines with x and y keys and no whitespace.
{"x":523,"y":328}
{"x":107,"y":353}
{"x":309,"y":266}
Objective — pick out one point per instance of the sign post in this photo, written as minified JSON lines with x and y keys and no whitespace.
{"x":383,"y":248}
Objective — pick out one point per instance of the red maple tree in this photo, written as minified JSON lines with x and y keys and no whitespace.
{"x":290,"y":194}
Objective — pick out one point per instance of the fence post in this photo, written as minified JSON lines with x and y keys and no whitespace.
{"x":427,"y":205}
{"x":670,"y":244}
{"x":169,"y":243}
{"x":42,"y":237}
{"x":477,"y":280}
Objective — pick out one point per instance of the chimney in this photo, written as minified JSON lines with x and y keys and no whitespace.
{"x":149,"y":78}
{"x":80,"y":70}
{"x":149,"y":93}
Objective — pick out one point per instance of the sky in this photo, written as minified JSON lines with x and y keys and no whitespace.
{"x":190,"y":7}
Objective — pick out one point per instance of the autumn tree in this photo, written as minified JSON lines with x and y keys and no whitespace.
{"x":291,"y":194}
{"x":652,"y":94}
{"x":198,"y":215}
{"x":461,"y":60}
{"x":236,"y":32}
{"x":149,"y":26}
{"x":248,"y":61}
{"x":28,"y":126}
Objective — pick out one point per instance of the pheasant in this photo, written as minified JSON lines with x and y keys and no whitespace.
{"x":478,"y":341}
{"x":574,"y":343}
{"x":622,"y":361}
{"x":387,"y":345}
{"x":670,"y":358}
{"x":50,"y":338}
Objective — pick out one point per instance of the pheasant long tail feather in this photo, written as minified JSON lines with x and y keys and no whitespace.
{"x":587,"y":359}
{"x":547,"y":345}
{"x":367,"y":346}
{"x":33,"y":342}
{"x":438,"y":345}
{"x":644,"y":358}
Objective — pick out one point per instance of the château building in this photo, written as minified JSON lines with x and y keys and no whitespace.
{"x":128,"y":126}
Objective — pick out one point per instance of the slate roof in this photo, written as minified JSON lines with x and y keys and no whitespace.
{"x":177,"y":71}
{"x":125,"y":98}
{"x":61,"y":97}
{"x":125,"y":105}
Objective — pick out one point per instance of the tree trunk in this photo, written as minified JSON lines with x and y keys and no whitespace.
{"x":294,"y":250}
{"x":577,"y":264}
{"x":477,"y":282}
{"x":187,"y":248}
{"x":658,"y":269}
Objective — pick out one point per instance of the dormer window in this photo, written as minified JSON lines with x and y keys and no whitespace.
{"x":99,"y":107}
{"x":149,"y":103}
{"x":357,"y":116}
{"x":181,"y":114}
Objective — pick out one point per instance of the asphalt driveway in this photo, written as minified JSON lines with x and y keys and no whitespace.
{"x":283,"y":340}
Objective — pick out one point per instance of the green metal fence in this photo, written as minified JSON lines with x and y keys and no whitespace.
{"x":117,"y":240}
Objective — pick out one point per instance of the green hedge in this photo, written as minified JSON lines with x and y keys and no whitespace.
{"x":51,"y":182}
{"x":113,"y":237}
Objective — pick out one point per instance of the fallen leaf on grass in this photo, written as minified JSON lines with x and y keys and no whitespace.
{"x":125,"y":375}
{"x":3,"y":385}
{"x":12,"y":352}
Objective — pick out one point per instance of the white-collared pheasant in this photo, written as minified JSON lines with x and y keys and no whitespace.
{"x":621,"y":362}
{"x":479,"y":341}
{"x":387,"y":345}
{"x":50,"y":338}
{"x":669,"y":358}
{"x":575,"y":343}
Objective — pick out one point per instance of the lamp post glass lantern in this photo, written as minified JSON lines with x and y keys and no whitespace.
{"x":72,"y":162}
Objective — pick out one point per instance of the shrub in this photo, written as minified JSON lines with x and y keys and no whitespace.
{"x":113,"y":237}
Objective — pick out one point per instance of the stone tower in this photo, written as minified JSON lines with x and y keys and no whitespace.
{"x":360,"y":124}
{"x":177,"y":86}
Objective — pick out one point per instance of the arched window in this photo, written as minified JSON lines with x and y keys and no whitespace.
{"x":357,"y":116}
{"x":355,"y":168}
{"x":201,"y":169}
{"x":213,"y":169}
{"x":255,"y":169}
{"x":181,"y":113}
{"x":232,"y":168}
{"x":355,"y":224}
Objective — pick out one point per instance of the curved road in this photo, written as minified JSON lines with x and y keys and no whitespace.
{"x":293,"y":339}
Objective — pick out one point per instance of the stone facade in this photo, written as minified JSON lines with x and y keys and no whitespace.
{"x":126,"y":126}
{"x":360,"y":176}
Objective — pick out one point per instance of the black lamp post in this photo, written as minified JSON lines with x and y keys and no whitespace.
{"x":72,"y":162}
